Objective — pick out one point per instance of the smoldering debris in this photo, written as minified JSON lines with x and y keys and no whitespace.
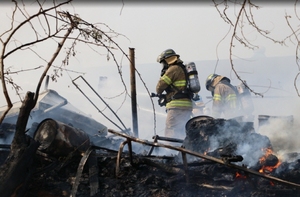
{"x":209,"y":163}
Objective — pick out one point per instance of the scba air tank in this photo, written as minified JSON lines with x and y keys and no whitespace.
{"x":193,"y":77}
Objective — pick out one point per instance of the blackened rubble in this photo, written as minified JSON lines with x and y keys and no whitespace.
{"x":50,"y":105}
{"x":122,"y":172}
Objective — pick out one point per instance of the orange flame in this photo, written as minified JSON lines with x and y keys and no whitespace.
{"x":268,"y":151}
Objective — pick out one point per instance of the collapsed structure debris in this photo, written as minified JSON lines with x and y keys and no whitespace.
{"x":100,"y":171}
{"x":51,"y":105}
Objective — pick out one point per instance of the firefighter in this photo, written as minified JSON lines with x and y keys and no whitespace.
{"x":225,"y":98}
{"x":173,"y":82}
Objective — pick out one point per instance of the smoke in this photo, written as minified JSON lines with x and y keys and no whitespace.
{"x":106,"y":81}
{"x":249,"y":145}
{"x":283,"y":134}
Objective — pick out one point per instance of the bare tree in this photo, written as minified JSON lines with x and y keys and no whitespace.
{"x":239,"y":16}
{"x":65,"y":30}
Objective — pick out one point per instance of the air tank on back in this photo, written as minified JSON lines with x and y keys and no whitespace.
{"x":193,"y":77}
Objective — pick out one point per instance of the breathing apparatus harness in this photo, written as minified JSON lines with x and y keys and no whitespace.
{"x":162,"y":100}
{"x":186,"y":93}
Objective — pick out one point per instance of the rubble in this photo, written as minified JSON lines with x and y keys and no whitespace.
{"x":51,"y":105}
{"x":101,"y":171}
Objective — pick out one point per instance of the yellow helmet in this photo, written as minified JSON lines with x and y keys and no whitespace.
{"x":210,"y":80}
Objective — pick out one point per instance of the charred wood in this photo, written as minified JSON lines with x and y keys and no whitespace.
{"x":59,"y":139}
{"x":93,"y":173}
{"x":164,"y":167}
{"x":205,"y":157}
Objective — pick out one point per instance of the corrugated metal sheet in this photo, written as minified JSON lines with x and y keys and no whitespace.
{"x":52,"y":105}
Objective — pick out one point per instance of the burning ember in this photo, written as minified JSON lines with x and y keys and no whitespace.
{"x":240,"y":176}
{"x":269,"y":161}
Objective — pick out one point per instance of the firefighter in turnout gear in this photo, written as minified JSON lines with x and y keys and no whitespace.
{"x":225,"y":100}
{"x":173,"y":82}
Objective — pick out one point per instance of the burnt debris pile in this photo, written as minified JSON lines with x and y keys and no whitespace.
{"x":217,"y":158}
{"x":225,"y":138}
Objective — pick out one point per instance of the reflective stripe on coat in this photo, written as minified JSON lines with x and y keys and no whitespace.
{"x":225,"y":101}
{"x":173,"y":76}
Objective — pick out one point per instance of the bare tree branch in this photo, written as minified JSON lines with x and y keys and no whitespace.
{"x":297,"y":55}
{"x":246,"y":18}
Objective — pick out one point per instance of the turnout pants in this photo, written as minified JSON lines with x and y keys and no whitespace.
{"x":175,"y":122}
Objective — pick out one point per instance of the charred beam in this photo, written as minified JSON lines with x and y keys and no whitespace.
{"x":169,"y":139}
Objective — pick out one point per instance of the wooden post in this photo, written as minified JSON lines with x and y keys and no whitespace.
{"x":133,"y":93}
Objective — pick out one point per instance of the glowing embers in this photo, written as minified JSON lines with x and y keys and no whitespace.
{"x":240,"y":175}
{"x":268,"y":161}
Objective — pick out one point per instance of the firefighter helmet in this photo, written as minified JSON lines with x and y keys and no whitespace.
{"x":210,"y":80}
{"x":165,"y":54}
